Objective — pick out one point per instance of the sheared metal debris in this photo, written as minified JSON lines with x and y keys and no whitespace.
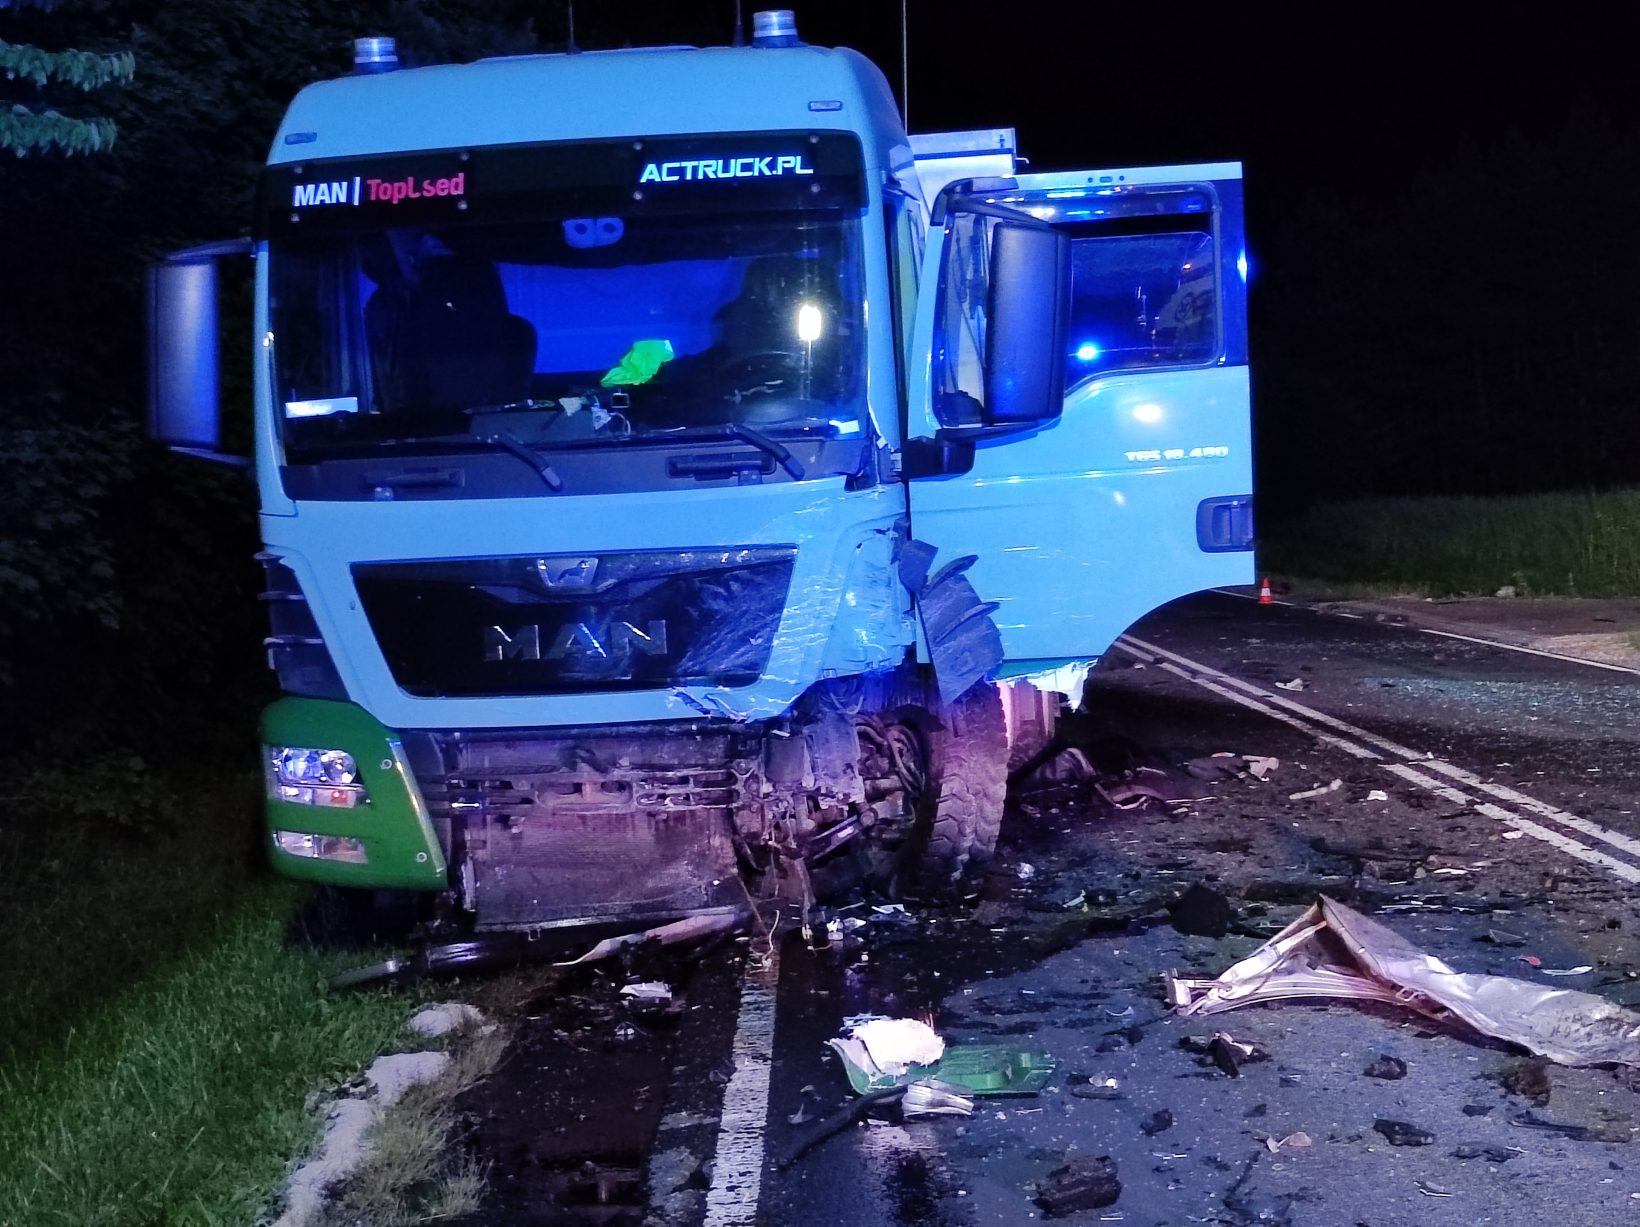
{"x":1332,"y":951}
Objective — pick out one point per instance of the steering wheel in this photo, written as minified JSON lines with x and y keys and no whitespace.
{"x":752,"y":374}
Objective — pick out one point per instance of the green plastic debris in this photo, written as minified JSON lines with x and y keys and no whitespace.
{"x":639,"y":365}
{"x":981,"y":1070}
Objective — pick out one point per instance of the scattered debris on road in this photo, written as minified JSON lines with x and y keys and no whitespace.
{"x":1332,"y":951}
{"x":1319,"y":791}
{"x":1081,"y":1184}
{"x":689,"y":929}
{"x":1157,"y":1122}
{"x":1388,"y":1068}
{"x":879,"y":1047}
{"x":1399,"y":1133}
{"x":931,"y":1097}
{"x":1202,"y":911}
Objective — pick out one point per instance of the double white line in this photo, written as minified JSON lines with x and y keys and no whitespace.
{"x":1399,"y":759}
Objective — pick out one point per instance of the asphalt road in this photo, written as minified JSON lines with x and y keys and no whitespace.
{"x":1484,"y":795}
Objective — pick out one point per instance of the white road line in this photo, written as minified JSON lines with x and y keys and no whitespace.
{"x":1395,"y":749}
{"x":1504,"y":793}
{"x":1426,"y":630}
{"x":1199,"y":674}
{"x":1349,"y":747}
{"x":1515,"y":647}
{"x":737,"y":1173}
{"x":1582,"y":825}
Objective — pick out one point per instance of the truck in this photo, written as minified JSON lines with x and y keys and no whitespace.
{"x":679,"y":487}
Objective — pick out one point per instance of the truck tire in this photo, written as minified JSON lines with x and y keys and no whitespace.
{"x":962,"y":809}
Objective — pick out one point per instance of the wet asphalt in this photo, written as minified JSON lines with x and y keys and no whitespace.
{"x":1063,"y":957}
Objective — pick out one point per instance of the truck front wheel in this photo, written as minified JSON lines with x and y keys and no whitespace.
{"x":961,"y":808}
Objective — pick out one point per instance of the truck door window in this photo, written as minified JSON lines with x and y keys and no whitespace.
{"x":1142,"y":300}
{"x":959,"y":339}
{"x":1146,"y":276}
{"x":906,"y":240}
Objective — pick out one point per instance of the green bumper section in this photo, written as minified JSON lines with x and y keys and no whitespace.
{"x":401,"y":849}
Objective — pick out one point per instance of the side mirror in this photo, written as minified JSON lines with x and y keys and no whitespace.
{"x":1027,"y":316}
{"x":184,"y":409}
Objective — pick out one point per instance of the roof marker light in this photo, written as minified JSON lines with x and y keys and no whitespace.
{"x":373,"y":55}
{"x":1087,"y":351}
{"x":775,"y":28}
{"x":1241,"y":265}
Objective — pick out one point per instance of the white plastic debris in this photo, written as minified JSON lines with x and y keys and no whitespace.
{"x":1319,"y":791}
{"x":1026,"y":871}
{"x":1260,"y":766}
{"x":890,"y":1046}
{"x":648,"y":992}
{"x":931,"y":1097}
{"x":1378,"y":794}
{"x":1332,"y":951}
{"x":1297,"y":683}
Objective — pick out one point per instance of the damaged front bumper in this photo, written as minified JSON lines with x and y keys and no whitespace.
{"x":540,"y":828}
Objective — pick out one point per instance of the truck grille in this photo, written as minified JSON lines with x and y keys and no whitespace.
{"x":598,"y":825}
{"x":574,"y":624}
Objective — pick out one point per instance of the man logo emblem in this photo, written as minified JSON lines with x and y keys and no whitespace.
{"x":577,"y":642}
{"x":566,"y":574}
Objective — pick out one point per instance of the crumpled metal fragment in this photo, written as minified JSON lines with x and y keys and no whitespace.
{"x":1333,"y":951}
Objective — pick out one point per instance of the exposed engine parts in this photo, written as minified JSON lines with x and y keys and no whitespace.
{"x":867,"y":779}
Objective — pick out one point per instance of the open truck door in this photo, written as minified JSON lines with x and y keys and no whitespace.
{"x":1078,"y":420}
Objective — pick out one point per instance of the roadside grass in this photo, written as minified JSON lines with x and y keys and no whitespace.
{"x":412,"y":1174}
{"x":90,"y":907}
{"x":1565,"y":544}
{"x":165,"y":1030}
{"x":182,"y":1100}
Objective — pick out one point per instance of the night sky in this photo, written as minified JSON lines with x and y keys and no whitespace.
{"x":1331,"y":99}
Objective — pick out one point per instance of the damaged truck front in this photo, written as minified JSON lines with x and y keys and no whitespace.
{"x":663,"y":484}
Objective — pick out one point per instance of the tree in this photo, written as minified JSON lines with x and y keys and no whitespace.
{"x":35,"y":126}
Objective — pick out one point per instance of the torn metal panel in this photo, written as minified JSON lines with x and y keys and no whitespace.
{"x":964,"y":644}
{"x":1332,"y":951}
{"x":1066,"y":677}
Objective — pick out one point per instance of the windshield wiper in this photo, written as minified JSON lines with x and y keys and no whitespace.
{"x":513,"y":446}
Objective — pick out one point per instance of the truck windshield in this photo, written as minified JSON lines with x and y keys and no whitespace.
{"x":566,"y":330}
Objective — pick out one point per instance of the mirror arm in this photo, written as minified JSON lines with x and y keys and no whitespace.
{"x":947,"y":454}
{"x":223,"y":458}
{"x":211,"y":251}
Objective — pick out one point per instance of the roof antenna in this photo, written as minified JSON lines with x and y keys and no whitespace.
{"x":571,"y":48}
{"x":905,"y":67}
{"x":740,"y":30}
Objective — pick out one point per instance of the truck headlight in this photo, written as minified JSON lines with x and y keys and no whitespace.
{"x":314,"y":777}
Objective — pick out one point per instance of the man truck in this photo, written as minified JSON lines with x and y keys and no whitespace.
{"x":674,"y":477}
